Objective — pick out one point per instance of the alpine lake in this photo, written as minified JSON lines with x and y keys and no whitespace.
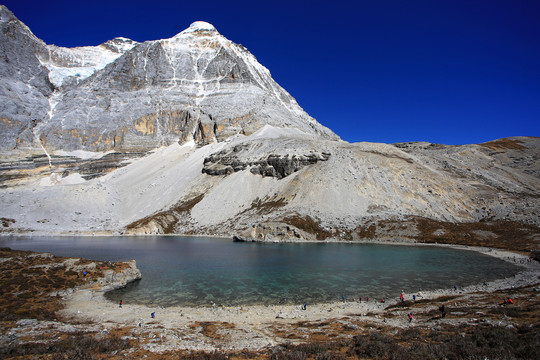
{"x":202,"y":271}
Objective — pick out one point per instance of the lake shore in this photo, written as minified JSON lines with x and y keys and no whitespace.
{"x":257,"y":327}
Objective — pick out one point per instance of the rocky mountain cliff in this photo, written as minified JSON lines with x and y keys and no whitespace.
{"x":122,"y":95}
{"x":190,"y":135}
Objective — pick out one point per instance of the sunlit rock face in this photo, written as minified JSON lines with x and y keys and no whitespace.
{"x":24,"y":84}
{"x":129,"y":96}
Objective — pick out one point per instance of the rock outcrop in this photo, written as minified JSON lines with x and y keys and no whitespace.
{"x":113,"y":280}
{"x":275,"y":165}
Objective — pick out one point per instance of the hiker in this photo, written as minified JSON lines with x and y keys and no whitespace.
{"x":367,"y":298}
{"x":153,"y":315}
{"x":410,"y":317}
{"x":304,"y":306}
{"x":442,"y":309}
{"x":414,"y":297}
{"x":508,"y":301}
{"x":343,"y":297}
{"x":121,"y":303}
{"x":401,"y":296}
{"x":382,"y":300}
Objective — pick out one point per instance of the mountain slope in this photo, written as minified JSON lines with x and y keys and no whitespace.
{"x":281,"y":184}
{"x":190,"y":135}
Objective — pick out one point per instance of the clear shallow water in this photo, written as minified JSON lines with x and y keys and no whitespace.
{"x":201,"y":271}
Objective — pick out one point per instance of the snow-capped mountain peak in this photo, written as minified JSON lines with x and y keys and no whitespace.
{"x":200,"y":26}
{"x":124,"y":95}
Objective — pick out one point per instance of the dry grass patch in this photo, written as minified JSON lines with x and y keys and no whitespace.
{"x":73,"y":346}
{"x":286,"y":332}
{"x":510,"y":235}
{"x":212,"y":329}
{"x":308,"y":225}
{"x":263,"y":207}
{"x":366,"y":232}
{"x":27,"y":279}
{"x":167,"y":219}
{"x":6,"y":222}
{"x":447,"y":342}
{"x":504,"y":144}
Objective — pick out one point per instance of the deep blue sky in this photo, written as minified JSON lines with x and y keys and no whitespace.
{"x":443,"y":71}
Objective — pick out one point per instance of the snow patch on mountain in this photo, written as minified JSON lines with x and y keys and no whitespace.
{"x":76,"y":64}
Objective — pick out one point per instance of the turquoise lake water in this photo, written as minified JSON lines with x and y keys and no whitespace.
{"x":200,"y":271}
